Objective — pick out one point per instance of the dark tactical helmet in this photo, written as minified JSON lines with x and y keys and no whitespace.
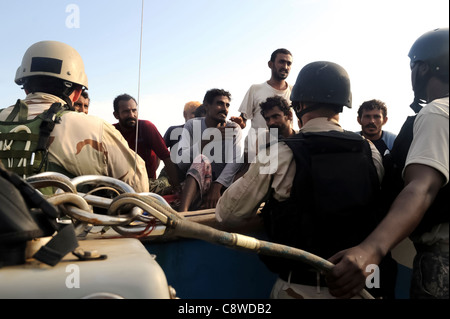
{"x":432,"y":49}
{"x":322,"y":82}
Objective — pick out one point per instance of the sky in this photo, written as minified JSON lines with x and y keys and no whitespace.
{"x":190,"y":46}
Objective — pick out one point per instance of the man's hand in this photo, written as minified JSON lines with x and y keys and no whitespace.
{"x":348,"y":276}
{"x":212,"y":197}
{"x":238,"y":120}
{"x":422,"y":183}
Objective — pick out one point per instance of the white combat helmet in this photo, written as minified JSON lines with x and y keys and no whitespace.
{"x":54,"y":59}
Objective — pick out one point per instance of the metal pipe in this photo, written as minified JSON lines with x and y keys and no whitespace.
{"x":52,"y":179}
{"x":102,"y":180}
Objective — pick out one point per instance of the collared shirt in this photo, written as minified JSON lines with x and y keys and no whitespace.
{"x":87,"y":145}
{"x":275,"y":172}
{"x":150,"y":144}
{"x":224,"y":154}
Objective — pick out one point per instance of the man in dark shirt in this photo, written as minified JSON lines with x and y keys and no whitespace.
{"x":188,"y":113}
{"x":150,"y":144}
{"x":372,"y":115}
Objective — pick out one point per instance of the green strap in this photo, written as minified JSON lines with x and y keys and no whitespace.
{"x":49,"y":118}
{"x":19,"y":108}
{"x":53,"y":167}
{"x":23,"y":113}
{"x":14,"y":112}
{"x":16,"y":154}
{"x":20,"y":136}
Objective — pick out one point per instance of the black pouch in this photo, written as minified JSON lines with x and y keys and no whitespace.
{"x":25,"y":215}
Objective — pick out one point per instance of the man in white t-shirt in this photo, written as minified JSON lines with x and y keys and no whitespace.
{"x":280,"y":64}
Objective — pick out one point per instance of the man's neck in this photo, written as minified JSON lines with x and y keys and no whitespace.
{"x":278,"y":84}
{"x":436,"y":89}
{"x":373,"y":137}
{"x":127,"y":129}
{"x":322,"y":112}
{"x":288,"y":131}
{"x":211,"y":122}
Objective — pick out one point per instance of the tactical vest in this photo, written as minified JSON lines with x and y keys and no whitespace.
{"x":333,"y":203}
{"x":24,"y":212}
{"x":24,"y":143}
{"x":393,"y":182}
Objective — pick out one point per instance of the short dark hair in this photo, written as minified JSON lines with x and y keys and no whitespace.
{"x":211,"y":94}
{"x":273,"y":57}
{"x":122,"y":97}
{"x":372,"y":105}
{"x":273,"y":101}
{"x":200,"y":111}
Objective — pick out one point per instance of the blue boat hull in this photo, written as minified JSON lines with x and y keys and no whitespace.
{"x":201,"y":270}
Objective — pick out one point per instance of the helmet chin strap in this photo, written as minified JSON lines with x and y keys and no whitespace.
{"x":305,"y":110}
{"x":420,"y":92}
{"x":68,"y":101}
{"x":311,"y":108}
{"x":416,"y":105}
{"x":66,"y":95}
{"x":299,"y":111}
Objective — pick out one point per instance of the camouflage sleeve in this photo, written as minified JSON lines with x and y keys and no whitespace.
{"x":122,"y":162}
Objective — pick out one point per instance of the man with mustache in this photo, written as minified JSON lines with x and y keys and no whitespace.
{"x":372,"y":115}
{"x":208,"y":153}
{"x":150,"y":144}
{"x":280,"y":65}
{"x":82,"y":104}
{"x":277,"y":113}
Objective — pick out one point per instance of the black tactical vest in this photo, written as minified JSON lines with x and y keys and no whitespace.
{"x":334,"y":201}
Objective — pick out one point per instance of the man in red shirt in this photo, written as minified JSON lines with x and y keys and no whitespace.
{"x":150,"y":144}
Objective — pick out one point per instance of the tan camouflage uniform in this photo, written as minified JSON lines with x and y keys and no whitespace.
{"x":87,"y":145}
